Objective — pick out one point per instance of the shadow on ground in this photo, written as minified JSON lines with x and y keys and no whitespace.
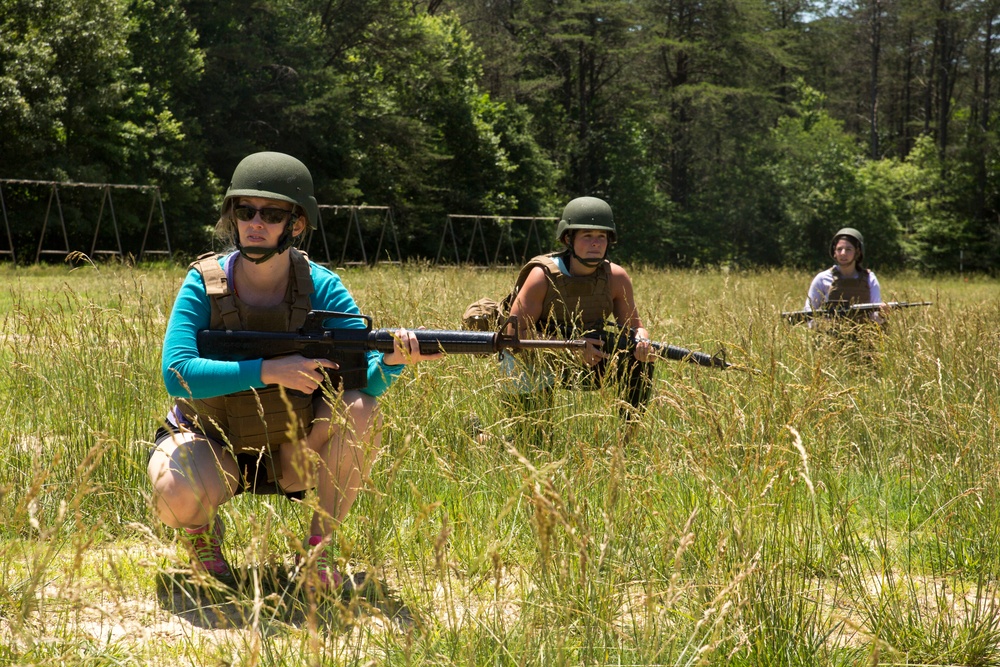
{"x":270,"y":597}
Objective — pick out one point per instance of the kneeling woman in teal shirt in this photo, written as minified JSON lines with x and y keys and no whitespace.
{"x":232,"y":429}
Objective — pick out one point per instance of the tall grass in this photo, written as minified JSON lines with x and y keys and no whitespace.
{"x":823,"y":511}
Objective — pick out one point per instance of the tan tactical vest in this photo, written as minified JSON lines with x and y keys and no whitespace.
{"x":256,"y":419}
{"x":581,"y":302}
{"x":850,"y":290}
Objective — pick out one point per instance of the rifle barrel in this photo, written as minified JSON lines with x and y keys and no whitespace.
{"x":469,"y":342}
{"x":438,"y":340}
{"x":887,"y":304}
{"x":834,"y":310}
{"x":240,"y":345}
{"x":547,"y":344}
{"x":675,"y":353}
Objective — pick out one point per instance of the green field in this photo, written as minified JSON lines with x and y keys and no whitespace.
{"x":820,"y":512}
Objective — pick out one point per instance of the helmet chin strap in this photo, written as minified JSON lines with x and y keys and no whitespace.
{"x":590,"y":263}
{"x":261,"y":255}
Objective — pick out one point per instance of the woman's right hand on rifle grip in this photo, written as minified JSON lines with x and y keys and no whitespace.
{"x":296,"y":372}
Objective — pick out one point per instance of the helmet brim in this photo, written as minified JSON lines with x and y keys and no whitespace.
{"x":262,"y":194}
{"x":583,"y":226}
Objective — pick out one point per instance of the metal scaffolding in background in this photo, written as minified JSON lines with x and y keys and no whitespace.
{"x":500,"y":227}
{"x":355,"y":214}
{"x":107,"y":203}
{"x":505,"y":225}
{"x":6,"y":224}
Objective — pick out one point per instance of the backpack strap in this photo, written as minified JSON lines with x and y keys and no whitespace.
{"x":217,"y":289}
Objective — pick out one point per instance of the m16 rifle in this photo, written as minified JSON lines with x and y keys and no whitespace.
{"x":674,"y":353}
{"x":626,"y":340}
{"x":839,"y":309}
{"x":348,"y":346}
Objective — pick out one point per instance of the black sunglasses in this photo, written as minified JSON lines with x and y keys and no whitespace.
{"x":272,"y":216}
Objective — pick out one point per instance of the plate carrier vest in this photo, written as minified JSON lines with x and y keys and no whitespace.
{"x":850,"y":291}
{"x":255,"y":419}
{"x":583,"y":303}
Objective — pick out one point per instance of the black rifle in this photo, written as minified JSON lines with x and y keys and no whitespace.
{"x":840,"y":309}
{"x":347,"y":347}
{"x":625,"y":340}
{"x":674,"y":353}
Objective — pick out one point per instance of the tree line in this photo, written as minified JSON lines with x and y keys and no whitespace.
{"x":737,"y":132}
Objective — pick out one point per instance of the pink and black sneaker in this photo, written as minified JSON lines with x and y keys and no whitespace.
{"x":329,"y":580}
{"x":205,"y":545}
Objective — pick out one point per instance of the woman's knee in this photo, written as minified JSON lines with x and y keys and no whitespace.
{"x":362,"y":411}
{"x":357,"y":416}
{"x":188,"y":482}
{"x":175,"y":500}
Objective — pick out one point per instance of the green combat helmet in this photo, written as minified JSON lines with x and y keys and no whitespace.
{"x":587,"y":213}
{"x":856,"y":238}
{"x":273,"y":176}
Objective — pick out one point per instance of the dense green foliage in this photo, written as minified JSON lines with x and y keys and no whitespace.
{"x":723,"y":132}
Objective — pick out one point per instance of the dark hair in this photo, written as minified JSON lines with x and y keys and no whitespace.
{"x":858,"y":248}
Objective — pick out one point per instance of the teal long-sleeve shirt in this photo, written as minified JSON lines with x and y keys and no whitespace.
{"x":188,"y":375}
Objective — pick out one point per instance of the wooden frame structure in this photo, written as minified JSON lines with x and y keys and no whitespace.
{"x":356,"y":212}
{"x":505,"y":224}
{"x":6,"y":224}
{"x":107,"y":202}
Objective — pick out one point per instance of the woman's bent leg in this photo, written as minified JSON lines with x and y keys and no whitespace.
{"x":347,"y":443}
{"x":191,"y":476}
